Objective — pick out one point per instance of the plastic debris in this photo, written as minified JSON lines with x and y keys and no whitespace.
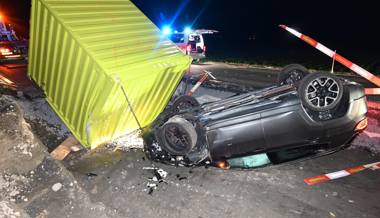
{"x":158,"y":177}
{"x":179,"y":177}
{"x":250,"y":161}
{"x":151,"y":185}
{"x":56,"y":187}
{"x":91,"y":175}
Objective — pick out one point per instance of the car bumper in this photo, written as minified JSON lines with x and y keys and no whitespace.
{"x":12,"y":57}
{"x":196,"y":56}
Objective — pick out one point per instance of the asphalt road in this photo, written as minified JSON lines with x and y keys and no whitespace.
{"x":257,"y":77}
{"x":14,"y":76}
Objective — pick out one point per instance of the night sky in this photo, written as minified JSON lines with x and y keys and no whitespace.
{"x":351,"y":27}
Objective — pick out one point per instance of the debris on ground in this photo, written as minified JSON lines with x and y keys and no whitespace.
{"x":56,"y":187}
{"x":64,"y":149}
{"x":90,"y":175}
{"x":158,"y":176}
{"x":13,"y":187}
{"x":8,"y":210}
{"x":132,"y":140}
{"x":179,"y":177}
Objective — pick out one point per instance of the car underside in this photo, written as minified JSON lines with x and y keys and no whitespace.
{"x":315,"y":112}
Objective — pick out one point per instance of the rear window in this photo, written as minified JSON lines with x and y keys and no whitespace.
{"x":4,"y":38}
{"x":178,"y":38}
{"x":195,"y":38}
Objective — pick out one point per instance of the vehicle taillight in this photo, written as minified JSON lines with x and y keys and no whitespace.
{"x":222,"y":165}
{"x":188,"y":48}
{"x":204,"y":49}
{"x":5,"y":51}
{"x":362,"y":125}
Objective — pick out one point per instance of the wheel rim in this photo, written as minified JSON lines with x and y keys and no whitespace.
{"x":176,"y":138}
{"x":322,"y":92}
{"x":293,"y":77}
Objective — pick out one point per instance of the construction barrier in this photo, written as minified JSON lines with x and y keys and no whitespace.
{"x":339,"y":174}
{"x":332,"y":54}
{"x":372,"y":91}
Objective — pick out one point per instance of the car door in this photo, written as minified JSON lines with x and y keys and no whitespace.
{"x":238,"y":135}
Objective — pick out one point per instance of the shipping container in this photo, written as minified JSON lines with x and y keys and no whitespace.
{"x":91,"y":57}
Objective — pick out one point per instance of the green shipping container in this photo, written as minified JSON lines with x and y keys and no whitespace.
{"x":89,"y":55}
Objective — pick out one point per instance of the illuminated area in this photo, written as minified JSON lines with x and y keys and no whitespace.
{"x":167,"y":30}
{"x":5,"y":51}
{"x":187,"y":30}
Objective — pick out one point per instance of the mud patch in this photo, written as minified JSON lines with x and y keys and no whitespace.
{"x":21,"y":150}
{"x":45,"y":123}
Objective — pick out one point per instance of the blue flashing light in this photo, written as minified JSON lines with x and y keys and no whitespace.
{"x":187,"y":30}
{"x":167,"y":30}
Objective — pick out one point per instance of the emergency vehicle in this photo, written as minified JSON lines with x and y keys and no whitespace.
{"x":11,"y":46}
{"x":191,"y":42}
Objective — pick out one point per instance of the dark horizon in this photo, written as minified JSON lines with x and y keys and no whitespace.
{"x":346,"y":26}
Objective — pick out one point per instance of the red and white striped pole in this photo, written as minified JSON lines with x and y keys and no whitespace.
{"x":372,"y":91}
{"x":352,"y":66}
{"x":339,"y":174}
{"x":199,"y":83}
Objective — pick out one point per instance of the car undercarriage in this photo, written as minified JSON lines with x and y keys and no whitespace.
{"x":316,"y":113}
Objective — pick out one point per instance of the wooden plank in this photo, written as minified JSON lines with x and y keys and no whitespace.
{"x":64,"y":149}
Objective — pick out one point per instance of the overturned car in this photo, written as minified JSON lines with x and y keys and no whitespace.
{"x":316,"y":112}
{"x":106,"y":78}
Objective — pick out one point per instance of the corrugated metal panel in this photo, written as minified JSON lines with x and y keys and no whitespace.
{"x":83,"y":52}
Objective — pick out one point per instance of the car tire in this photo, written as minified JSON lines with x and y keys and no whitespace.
{"x":292,"y":74}
{"x":320,"y":91}
{"x":184,"y":103}
{"x":178,"y":136}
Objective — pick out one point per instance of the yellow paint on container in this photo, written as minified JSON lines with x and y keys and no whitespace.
{"x":84,"y":52}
